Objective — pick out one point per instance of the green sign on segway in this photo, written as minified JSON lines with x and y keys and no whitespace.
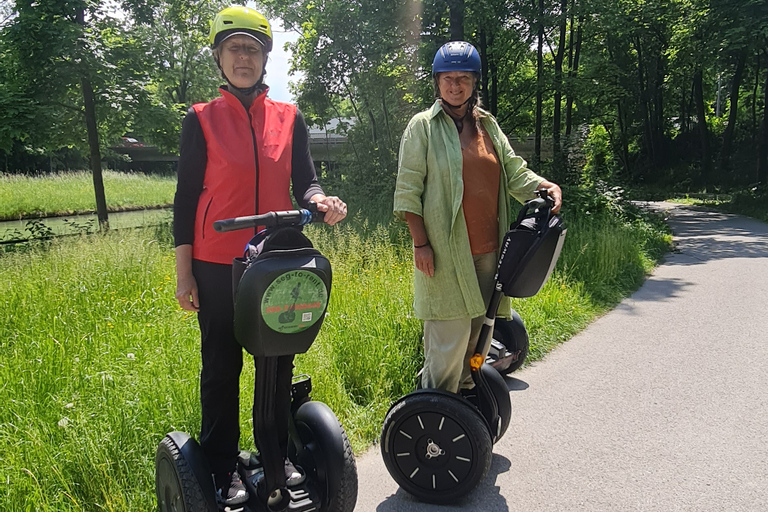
{"x":294,"y":301}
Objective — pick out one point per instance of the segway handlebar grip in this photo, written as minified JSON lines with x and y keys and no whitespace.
{"x":284,"y":218}
{"x":544,"y":194}
{"x":535,"y":204}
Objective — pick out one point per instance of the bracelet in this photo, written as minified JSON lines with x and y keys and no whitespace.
{"x":422,"y":245}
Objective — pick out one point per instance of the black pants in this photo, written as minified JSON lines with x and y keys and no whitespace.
{"x":220,"y":376}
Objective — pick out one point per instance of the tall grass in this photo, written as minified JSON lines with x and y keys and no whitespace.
{"x":97,"y":362}
{"x":69,"y":193}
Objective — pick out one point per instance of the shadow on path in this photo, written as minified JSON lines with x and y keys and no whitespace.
{"x":486,"y":496}
{"x":705,"y":235}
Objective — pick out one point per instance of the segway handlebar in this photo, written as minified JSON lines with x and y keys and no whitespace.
{"x":284,"y":218}
{"x":543,"y":200}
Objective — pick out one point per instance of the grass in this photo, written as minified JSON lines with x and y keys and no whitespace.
{"x":97,"y":362}
{"x":24,"y":197}
{"x":748,"y":203}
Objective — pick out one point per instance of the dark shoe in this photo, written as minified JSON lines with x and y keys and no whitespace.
{"x":230,"y":489}
{"x":293,"y":475}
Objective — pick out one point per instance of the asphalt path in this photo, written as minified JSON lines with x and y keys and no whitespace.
{"x":660,"y":405}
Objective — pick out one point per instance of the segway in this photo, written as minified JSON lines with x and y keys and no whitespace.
{"x":438,"y":445}
{"x":281,"y":290}
{"x":509,"y":345}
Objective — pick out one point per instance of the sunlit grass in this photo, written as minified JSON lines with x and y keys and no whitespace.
{"x":97,"y":361}
{"x":69,"y":193}
{"x":749,"y":203}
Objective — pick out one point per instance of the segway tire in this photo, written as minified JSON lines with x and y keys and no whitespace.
{"x":436,"y":445}
{"x":327,"y":457}
{"x":176,"y":482}
{"x":513,"y":335}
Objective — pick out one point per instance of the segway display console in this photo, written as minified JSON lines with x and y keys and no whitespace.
{"x":281,"y":290}
{"x":437,"y":445}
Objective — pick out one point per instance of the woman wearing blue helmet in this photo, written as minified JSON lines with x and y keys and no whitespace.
{"x":456,"y":172}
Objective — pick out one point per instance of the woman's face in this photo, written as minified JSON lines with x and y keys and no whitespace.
{"x":242,"y":60}
{"x":456,"y":86}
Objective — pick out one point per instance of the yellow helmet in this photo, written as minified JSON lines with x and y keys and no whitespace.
{"x":240,"y":20}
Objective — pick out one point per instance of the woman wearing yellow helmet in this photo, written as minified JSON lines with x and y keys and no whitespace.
{"x":241,"y":39}
{"x":240,"y":155}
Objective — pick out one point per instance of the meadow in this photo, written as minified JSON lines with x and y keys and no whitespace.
{"x":70,"y":193}
{"x":98,"y":362}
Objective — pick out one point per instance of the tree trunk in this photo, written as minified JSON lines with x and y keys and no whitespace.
{"x":701,"y":121}
{"x":374,"y":131}
{"x":456,"y":16}
{"x":657,"y":120}
{"x":484,"y":65}
{"x":754,"y":98}
{"x":624,"y":139}
{"x":556,"y":121}
{"x":93,"y":140}
{"x":572,"y":72}
{"x":725,"y":153}
{"x":762,"y":158}
{"x":643,"y":97}
{"x":683,"y":109}
{"x":386,"y":119}
{"x":539,"y":85}
{"x":493,"y":69}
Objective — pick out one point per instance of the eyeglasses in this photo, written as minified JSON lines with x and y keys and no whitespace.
{"x":248,"y":49}
{"x":463,"y":80}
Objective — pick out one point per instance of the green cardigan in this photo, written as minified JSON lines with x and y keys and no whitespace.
{"x":430,"y":184}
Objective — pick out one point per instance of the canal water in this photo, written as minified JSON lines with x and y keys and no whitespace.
{"x":25,"y":229}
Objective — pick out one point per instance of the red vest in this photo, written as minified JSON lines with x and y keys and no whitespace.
{"x":235,"y":138}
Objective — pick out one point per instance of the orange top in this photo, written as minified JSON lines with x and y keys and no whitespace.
{"x":481,"y":173}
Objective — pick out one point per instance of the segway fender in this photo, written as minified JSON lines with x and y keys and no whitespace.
{"x":500,"y":393}
{"x":328,"y":441}
{"x":193,"y":454}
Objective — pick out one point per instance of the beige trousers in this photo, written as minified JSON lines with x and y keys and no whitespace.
{"x":449,"y":344}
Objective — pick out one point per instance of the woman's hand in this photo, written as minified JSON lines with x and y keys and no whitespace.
{"x":424,"y":259}
{"x":335,"y":209}
{"x":554,"y":191}
{"x":186,"y":285}
{"x":186,"y":293}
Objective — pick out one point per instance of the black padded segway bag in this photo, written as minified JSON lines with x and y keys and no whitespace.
{"x":530,"y":250}
{"x":282,"y":295}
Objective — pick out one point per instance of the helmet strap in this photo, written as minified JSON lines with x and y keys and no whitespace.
{"x":451,"y":111}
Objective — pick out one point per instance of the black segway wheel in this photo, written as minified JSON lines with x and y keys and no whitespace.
{"x":510,"y":344}
{"x":326,"y":456}
{"x":436,"y":445}
{"x":179,"y":475}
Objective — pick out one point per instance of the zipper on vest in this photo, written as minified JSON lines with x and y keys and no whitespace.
{"x":256,"y":156}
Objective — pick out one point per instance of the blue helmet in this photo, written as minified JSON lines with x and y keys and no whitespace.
{"x":456,"y":56}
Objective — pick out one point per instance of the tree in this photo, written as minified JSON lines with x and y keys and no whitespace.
{"x":360,"y":61}
{"x":558,"y":85}
{"x":54,"y":49}
{"x":762,"y":157}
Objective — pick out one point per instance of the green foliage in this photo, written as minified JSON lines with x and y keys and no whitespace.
{"x":145,"y":71}
{"x":752,"y":202}
{"x":600,"y":160}
{"x":359,"y":64}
